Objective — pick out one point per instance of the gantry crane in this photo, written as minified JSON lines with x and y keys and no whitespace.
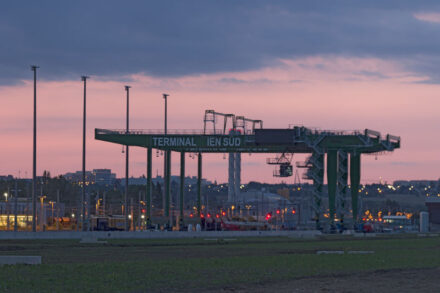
{"x":240,"y":122}
{"x":211,"y":116}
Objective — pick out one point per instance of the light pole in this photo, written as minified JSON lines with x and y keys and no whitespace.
{"x":34,"y":160}
{"x":166,"y":201}
{"x":83,"y":196}
{"x":165,"y":96}
{"x":127,"y":89}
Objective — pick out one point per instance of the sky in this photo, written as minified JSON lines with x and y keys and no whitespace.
{"x":337,"y":65}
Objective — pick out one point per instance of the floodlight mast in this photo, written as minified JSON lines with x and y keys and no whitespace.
{"x":34,"y":152}
{"x":85,"y":223}
{"x":127,"y":89}
{"x":166,"y":167}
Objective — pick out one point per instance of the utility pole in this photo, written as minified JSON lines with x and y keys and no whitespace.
{"x":127,"y":89}
{"x":83,"y":208}
{"x":34,"y":161}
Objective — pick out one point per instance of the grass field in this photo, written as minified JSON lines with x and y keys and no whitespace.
{"x":241,"y":265}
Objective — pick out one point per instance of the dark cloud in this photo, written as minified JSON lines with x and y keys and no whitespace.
{"x":174,"y":38}
{"x":372,"y":74}
{"x":233,"y":80}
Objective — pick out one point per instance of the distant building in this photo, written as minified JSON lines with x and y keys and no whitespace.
{"x":6,"y":177}
{"x":159,"y":179}
{"x":24,"y":213}
{"x":433,"y":205}
{"x":76,"y":177}
{"x":284,"y":192}
{"x":419,"y":183}
{"x":97,"y":176}
{"x":104,"y":176}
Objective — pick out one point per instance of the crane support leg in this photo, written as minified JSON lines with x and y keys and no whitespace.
{"x":167,"y":184}
{"x":342,"y":186}
{"x":148,"y":191}
{"x":355,"y":178}
{"x":199,"y":185}
{"x":182,"y":185}
{"x":332,"y":177}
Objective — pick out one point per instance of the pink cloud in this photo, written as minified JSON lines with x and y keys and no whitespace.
{"x":324,"y":92}
{"x":428,"y":16}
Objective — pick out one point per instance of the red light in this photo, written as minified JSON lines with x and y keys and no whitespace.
{"x":224,"y":213}
{"x":278,"y":212}
{"x":217,"y":216}
{"x":209,"y":215}
{"x":293,"y":212}
{"x":268,"y":216}
{"x":191,"y":215}
{"x":144,"y":211}
{"x":202,"y":216}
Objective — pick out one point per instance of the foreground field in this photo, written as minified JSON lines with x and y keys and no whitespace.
{"x":229,"y":265}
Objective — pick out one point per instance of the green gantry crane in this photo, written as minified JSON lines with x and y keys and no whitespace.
{"x":343,"y":149}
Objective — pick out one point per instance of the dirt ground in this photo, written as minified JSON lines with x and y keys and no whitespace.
{"x":419,"y":280}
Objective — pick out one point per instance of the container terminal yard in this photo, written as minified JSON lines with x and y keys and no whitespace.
{"x":333,"y":207}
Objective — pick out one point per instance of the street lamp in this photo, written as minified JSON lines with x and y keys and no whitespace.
{"x":6,"y":196}
{"x":83,"y":196}
{"x":34,"y":159}
{"x":127,"y":89}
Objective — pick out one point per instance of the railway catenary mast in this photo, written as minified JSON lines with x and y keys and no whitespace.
{"x":335,"y":144}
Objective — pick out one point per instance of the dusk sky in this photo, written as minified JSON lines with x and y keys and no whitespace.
{"x":338,"y":65}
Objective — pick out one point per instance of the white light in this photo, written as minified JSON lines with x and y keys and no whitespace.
{"x":142,"y":217}
{"x":129,"y":216}
{"x":73,"y":215}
